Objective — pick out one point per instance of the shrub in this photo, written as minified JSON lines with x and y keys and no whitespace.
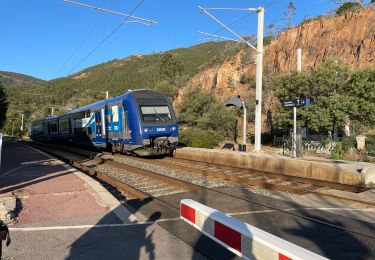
{"x":338,"y":153}
{"x":347,"y":7}
{"x":370,"y":145}
{"x":200,"y":138}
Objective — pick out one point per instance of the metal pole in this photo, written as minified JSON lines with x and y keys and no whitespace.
{"x":52,"y":111}
{"x":259,"y":75}
{"x":295,"y":132}
{"x":299,"y":60}
{"x":12,"y":127}
{"x":106,"y":95}
{"x":244,"y":124}
{"x":21,"y":124}
{"x":299,"y":70}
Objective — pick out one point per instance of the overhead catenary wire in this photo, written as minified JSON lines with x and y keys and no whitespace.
{"x":245,"y":17}
{"x":82,"y":42}
{"x":107,"y":37}
{"x":111,"y":11}
{"x":235,"y":22}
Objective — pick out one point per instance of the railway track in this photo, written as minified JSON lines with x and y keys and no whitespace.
{"x":235,"y":175}
{"x":262,"y":180}
{"x":144,"y":184}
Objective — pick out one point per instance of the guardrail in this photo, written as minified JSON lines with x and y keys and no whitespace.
{"x":241,"y":238}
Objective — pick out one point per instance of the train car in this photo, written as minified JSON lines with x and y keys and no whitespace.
{"x":141,"y":122}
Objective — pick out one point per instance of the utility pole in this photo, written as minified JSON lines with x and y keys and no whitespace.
{"x":22,"y":124}
{"x":299,"y":60}
{"x":12,"y":126}
{"x":52,"y":111}
{"x":259,"y":82}
{"x":244,"y":124}
{"x":106,"y":94}
{"x":259,"y":64}
{"x":299,"y":69}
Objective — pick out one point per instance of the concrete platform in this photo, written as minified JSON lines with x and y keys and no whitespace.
{"x":66,"y":214}
{"x":345,"y":172}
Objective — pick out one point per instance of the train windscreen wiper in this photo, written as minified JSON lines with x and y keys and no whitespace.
{"x":160,"y":117}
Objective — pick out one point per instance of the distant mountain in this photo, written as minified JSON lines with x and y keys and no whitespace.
{"x":12,"y":78}
{"x":36,"y":97}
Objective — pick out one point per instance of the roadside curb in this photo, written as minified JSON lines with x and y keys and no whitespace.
{"x":109,"y":200}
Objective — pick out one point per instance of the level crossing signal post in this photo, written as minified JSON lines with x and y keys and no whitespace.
{"x":240,"y":104}
{"x":259,"y":63}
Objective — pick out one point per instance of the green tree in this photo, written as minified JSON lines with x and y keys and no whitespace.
{"x":170,"y":68}
{"x":361,"y":97}
{"x":325,"y":87}
{"x":289,"y":14}
{"x":3,"y":106}
{"x":194,"y":105}
{"x":347,"y":7}
{"x":219,"y":119}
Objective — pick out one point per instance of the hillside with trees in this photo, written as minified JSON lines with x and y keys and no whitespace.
{"x":166,"y":72}
{"x":12,"y":78}
{"x":338,"y":75}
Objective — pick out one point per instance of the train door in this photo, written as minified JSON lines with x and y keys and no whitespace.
{"x":125,"y":128}
{"x":98,"y":127}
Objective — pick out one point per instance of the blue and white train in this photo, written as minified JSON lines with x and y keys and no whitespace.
{"x":141,"y":122}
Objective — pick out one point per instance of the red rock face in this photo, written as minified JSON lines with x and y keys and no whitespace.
{"x":349,"y":38}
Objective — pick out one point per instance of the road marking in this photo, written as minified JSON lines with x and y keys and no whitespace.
{"x":296,"y":209}
{"x":39,"y":162}
{"x":28,"y":229}
{"x":11,"y":171}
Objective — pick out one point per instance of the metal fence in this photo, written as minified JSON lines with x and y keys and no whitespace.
{"x":315,"y":144}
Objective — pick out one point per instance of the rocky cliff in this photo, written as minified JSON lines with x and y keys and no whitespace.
{"x":349,"y":38}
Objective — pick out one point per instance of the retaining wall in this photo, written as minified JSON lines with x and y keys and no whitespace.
{"x":273,"y":164}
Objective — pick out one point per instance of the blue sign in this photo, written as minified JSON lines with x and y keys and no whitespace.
{"x":297,"y":102}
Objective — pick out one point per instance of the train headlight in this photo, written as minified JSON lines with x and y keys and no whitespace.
{"x":146,"y":130}
{"x":173,"y":128}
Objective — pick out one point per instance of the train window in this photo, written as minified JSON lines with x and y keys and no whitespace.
{"x":64,"y":126}
{"x":52,"y":128}
{"x":156,"y":113}
{"x":79,"y":115}
{"x":38,"y":129}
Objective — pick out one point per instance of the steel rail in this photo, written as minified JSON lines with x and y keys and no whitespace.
{"x":320,"y":221}
{"x":242,"y":179}
{"x":315,"y":182}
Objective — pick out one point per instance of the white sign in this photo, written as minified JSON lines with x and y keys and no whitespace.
{"x":115,"y":114}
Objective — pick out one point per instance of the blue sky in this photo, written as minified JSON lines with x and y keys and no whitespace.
{"x":38,"y":36}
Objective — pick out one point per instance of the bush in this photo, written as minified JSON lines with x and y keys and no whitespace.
{"x":348,"y":143}
{"x":347,"y":7}
{"x":200,"y":138}
{"x":370,"y":145}
{"x":338,"y":153}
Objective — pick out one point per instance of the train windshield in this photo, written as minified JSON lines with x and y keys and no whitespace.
{"x":156,"y":114}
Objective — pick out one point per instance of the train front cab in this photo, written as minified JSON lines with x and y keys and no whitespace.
{"x":157,"y":129}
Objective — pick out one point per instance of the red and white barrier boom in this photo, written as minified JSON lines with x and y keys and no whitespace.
{"x":242,"y":239}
